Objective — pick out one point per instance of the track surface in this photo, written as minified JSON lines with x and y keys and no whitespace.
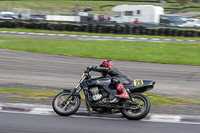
{"x":24,"y":123}
{"x":26,"y":68}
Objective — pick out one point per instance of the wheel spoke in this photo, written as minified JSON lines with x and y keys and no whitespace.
{"x":72,"y":102}
{"x":66,"y":107}
{"x":62,"y":98}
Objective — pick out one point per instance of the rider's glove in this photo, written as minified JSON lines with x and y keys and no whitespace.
{"x":92,"y":68}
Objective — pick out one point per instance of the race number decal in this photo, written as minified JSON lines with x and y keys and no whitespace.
{"x":138,"y":82}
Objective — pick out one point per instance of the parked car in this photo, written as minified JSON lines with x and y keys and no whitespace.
{"x":36,"y":18}
{"x":192,"y":22}
{"x":171,"y":19}
{"x":7,"y":15}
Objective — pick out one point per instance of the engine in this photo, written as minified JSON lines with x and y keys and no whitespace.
{"x":99,"y":96}
{"x":95,"y":94}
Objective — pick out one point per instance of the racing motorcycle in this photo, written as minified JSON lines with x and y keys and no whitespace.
{"x":100,"y":97}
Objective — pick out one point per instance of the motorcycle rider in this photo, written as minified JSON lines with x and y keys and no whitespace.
{"x":118,"y":78}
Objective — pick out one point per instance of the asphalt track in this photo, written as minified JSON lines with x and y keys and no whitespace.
{"x":19,"y":68}
{"x":25,"y":123}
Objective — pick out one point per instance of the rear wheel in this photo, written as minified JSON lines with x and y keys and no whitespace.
{"x":66,"y":108}
{"x":137,"y":110}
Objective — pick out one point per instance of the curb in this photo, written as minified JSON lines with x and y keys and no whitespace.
{"x":82,"y":112}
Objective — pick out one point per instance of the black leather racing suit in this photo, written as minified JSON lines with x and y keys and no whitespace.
{"x":114,"y":73}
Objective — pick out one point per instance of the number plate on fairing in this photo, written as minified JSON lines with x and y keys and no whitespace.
{"x":138,"y":82}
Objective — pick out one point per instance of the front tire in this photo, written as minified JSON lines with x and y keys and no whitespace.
{"x":137,"y":112}
{"x":68,"y":108}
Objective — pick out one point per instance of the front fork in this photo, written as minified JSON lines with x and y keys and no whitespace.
{"x":75,"y":91}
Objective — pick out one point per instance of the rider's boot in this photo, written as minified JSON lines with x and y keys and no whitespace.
{"x":123,"y":92}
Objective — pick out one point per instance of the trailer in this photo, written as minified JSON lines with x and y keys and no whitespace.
{"x":141,"y":13}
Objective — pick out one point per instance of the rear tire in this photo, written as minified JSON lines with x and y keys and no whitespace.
{"x":137,"y":112}
{"x":69,"y":108}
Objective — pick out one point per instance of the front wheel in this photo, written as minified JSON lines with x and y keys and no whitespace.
{"x":66,"y":108}
{"x":137,"y":110}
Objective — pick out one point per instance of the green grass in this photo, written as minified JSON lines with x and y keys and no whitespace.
{"x":30,"y":92}
{"x":49,"y":94}
{"x":31,"y":98}
{"x":98,"y":34}
{"x":198,"y":17}
{"x":190,"y":10}
{"x":166,"y":101}
{"x":161,"y":52}
{"x":60,"y":6}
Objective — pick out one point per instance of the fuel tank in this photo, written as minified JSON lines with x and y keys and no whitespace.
{"x":99,"y":81}
{"x":104,"y":81}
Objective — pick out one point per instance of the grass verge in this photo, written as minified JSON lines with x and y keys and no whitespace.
{"x":167,"y":101}
{"x":160,"y":52}
{"x":30,"y":98}
{"x":66,"y":6}
{"x":29,"y":92}
{"x":49,"y":94}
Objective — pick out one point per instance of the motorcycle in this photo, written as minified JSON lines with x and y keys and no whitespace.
{"x":100,"y":97}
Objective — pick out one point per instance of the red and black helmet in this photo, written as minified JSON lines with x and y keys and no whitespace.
{"x":106,"y":63}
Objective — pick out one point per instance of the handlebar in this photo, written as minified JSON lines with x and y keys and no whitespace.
{"x":89,"y":68}
{"x":87,"y":71}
